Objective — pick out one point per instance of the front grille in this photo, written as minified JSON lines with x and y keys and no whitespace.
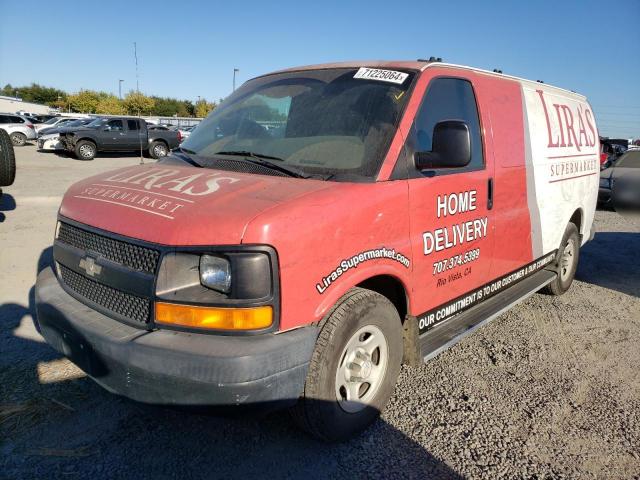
{"x":124,"y":304}
{"x":133,"y":256}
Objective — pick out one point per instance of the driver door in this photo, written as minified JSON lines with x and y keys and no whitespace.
{"x":450,"y":209}
{"x":112,"y":135}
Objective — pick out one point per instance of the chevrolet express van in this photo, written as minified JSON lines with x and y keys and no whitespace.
{"x":323,"y":225}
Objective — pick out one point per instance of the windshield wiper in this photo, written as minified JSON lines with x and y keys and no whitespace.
{"x":247,"y":153}
{"x":263,"y":160}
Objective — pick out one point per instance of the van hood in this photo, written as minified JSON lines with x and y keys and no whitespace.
{"x":176,"y":205}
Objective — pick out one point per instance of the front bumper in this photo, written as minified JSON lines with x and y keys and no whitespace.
{"x":166,"y":367}
{"x":50,"y":144}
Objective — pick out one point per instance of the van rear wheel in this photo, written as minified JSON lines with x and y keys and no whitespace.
{"x":354,"y":367}
{"x":567,"y":262}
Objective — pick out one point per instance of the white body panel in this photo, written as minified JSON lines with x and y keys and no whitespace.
{"x":563,"y":161}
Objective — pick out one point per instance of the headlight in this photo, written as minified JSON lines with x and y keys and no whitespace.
{"x":215,"y":278}
{"x":219,"y":288}
{"x":605,"y":182}
{"x":215,"y":273}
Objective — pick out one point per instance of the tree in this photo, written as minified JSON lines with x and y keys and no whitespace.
{"x":85,"y":101}
{"x":8,"y":90}
{"x":138,"y":104}
{"x":110,"y":105}
{"x":203,"y":108}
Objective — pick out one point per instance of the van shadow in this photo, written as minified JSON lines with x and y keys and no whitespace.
{"x":611,"y":261}
{"x":7,"y":204}
{"x":97,"y":434}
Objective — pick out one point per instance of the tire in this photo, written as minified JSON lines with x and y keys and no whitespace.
{"x":339,"y":367}
{"x":7,"y":160}
{"x":158,"y":149}
{"x":85,"y":150}
{"x":18,"y":139}
{"x":566,"y":263}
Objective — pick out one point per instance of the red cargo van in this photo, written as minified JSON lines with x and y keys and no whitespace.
{"x":323,"y":225}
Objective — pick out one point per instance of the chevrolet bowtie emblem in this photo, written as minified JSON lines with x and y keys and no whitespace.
{"x":90,"y":266}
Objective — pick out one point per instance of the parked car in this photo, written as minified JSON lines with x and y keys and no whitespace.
{"x":184,"y":132}
{"x":19,"y":128}
{"x":53,"y":122}
{"x":45,"y":117}
{"x":402,"y":206}
{"x":611,"y":150}
{"x":7,"y":161}
{"x":33,"y":120}
{"x":49,"y":139}
{"x":64,"y":122}
{"x":620,"y":183}
{"x":121,"y":134}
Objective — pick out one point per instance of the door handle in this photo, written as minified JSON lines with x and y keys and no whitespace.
{"x":490,"y":194}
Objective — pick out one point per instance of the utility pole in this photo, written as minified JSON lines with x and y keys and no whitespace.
{"x":135,"y":54}
{"x":120,"y":88}
{"x":235,"y":70}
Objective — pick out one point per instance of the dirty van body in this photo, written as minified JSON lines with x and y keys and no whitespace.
{"x":323,"y":225}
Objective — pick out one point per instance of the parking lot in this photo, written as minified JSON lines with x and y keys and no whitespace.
{"x":550,"y":389}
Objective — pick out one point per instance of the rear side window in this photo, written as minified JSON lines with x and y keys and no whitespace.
{"x":447,"y":99}
{"x":629,"y":160}
{"x":133,"y":125}
{"x":17,"y":120}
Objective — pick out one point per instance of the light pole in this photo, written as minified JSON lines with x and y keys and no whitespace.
{"x":235,"y":70}
{"x":120,"y":88}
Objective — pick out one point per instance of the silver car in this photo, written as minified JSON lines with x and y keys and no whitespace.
{"x":18,"y":127}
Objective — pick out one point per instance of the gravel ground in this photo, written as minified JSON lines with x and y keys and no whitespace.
{"x":548,"y":390}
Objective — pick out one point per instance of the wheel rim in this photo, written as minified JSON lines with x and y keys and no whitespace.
{"x":86,"y":151}
{"x":18,"y":139}
{"x":566,"y":260}
{"x":362,"y":368}
{"x":160,"y":151}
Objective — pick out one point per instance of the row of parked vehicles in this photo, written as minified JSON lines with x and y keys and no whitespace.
{"x":84,"y":137}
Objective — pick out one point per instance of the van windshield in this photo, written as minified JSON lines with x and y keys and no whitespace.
{"x":328,"y":122}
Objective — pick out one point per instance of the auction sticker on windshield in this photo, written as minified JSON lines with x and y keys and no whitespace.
{"x":383,"y":75}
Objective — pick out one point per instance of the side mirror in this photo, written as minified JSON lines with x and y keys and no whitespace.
{"x":451,"y":147}
{"x":107,"y":128}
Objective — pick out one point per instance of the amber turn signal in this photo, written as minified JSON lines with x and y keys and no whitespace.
{"x":214,"y":317}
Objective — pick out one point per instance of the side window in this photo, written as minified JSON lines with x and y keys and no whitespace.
{"x":4,"y":119}
{"x":132,"y":125}
{"x":115,"y":125}
{"x":447,"y":99}
{"x":17,"y":120}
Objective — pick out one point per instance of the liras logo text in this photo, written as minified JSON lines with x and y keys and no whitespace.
{"x":568,"y":127}
{"x":169,"y":179}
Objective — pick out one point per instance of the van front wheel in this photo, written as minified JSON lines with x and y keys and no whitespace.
{"x":567,"y":262}
{"x":354,"y":367}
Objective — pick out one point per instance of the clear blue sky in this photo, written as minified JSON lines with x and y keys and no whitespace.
{"x":188,"y":49}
